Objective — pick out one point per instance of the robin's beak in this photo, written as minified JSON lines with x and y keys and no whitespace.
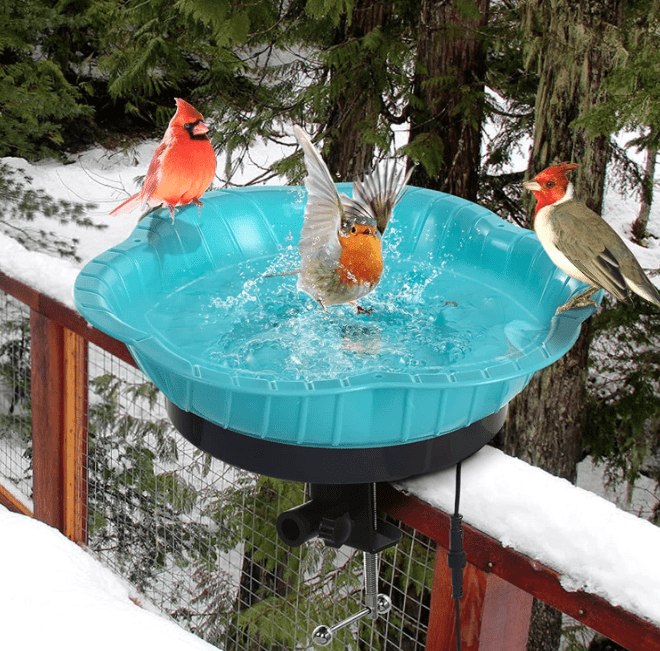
{"x":532,"y":186}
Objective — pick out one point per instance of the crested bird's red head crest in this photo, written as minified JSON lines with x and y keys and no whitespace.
{"x":549,"y":186}
{"x":189,"y":118}
{"x":556,"y":173}
{"x":186,"y":112}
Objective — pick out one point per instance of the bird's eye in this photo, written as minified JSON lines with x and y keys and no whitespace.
{"x":353,"y":230}
{"x":367,"y":231}
{"x":550,"y":184}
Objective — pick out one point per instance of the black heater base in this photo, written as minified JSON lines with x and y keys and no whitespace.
{"x":342,"y":509}
{"x":316,"y":465}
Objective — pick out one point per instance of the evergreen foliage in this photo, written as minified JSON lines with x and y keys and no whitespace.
{"x":280,"y":584}
{"x":38,"y":103}
{"x":320,"y":68}
{"x":15,"y":377}
{"x":623,"y":408}
{"x":632,"y":90}
{"x":509,"y":109}
{"x":140,"y":513}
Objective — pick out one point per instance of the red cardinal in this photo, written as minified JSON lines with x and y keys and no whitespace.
{"x":182,"y":168}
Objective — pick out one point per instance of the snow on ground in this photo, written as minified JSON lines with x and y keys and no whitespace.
{"x":54,"y":595}
{"x":594,"y":545}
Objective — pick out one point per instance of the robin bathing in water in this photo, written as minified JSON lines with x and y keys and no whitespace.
{"x":340,"y":241}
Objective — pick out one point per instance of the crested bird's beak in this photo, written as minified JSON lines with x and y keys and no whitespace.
{"x":200,"y":129}
{"x":532,"y":186}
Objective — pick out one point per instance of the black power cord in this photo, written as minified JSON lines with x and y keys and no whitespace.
{"x":456,"y":559}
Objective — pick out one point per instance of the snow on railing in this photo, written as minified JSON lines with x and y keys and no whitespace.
{"x":545,"y":538}
{"x":527,"y":534}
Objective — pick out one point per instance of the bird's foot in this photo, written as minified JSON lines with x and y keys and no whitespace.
{"x":364,"y":310}
{"x":581,"y":300}
{"x":199,"y":205}
{"x":171,"y":209}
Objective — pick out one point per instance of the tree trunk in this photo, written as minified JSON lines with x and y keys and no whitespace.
{"x":573,"y":60}
{"x":544,"y":424}
{"x":446,"y":117}
{"x":355,"y":107}
{"x":570,"y":40}
{"x":640,"y":225}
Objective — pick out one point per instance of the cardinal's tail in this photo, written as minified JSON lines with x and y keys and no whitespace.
{"x":127,"y":206}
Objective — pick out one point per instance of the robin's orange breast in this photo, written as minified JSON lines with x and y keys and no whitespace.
{"x":361,"y":260}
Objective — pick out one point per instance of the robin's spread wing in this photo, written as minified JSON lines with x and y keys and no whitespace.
{"x":590,"y":253}
{"x":376,"y":196}
{"x":323,"y":211}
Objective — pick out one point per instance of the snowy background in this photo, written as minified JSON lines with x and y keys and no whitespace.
{"x":49,"y":580}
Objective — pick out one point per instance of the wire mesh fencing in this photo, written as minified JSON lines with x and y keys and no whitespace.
{"x":198,"y":537}
{"x":15,"y":414}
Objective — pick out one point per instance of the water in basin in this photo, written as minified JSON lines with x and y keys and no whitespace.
{"x":426,"y":318}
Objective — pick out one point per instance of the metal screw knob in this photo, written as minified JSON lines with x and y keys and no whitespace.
{"x":383,"y":604}
{"x":322,"y":635}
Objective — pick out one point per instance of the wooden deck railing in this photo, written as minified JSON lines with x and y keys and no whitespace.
{"x":499,"y":582}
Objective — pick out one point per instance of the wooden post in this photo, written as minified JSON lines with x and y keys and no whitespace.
{"x":442,"y":621}
{"x":59,"y":428}
{"x":495,"y":615}
{"x":75,"y":436}
{"x":506,"y":617}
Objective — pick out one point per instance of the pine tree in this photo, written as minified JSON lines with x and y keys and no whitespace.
{"x":338,"y":69}
{"x":365,"y":67}
{"x":509,"y":109}
{"x":37,"y":101}
{"x":640,"y":225}
{"x":632,"y":100}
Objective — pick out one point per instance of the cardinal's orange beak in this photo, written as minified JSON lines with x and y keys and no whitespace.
{"x":199,"y":129}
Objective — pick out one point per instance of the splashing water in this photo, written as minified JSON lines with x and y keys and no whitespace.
{"x":425,"y":319}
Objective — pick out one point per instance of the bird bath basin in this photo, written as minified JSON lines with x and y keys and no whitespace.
{"x":259,"y":375}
